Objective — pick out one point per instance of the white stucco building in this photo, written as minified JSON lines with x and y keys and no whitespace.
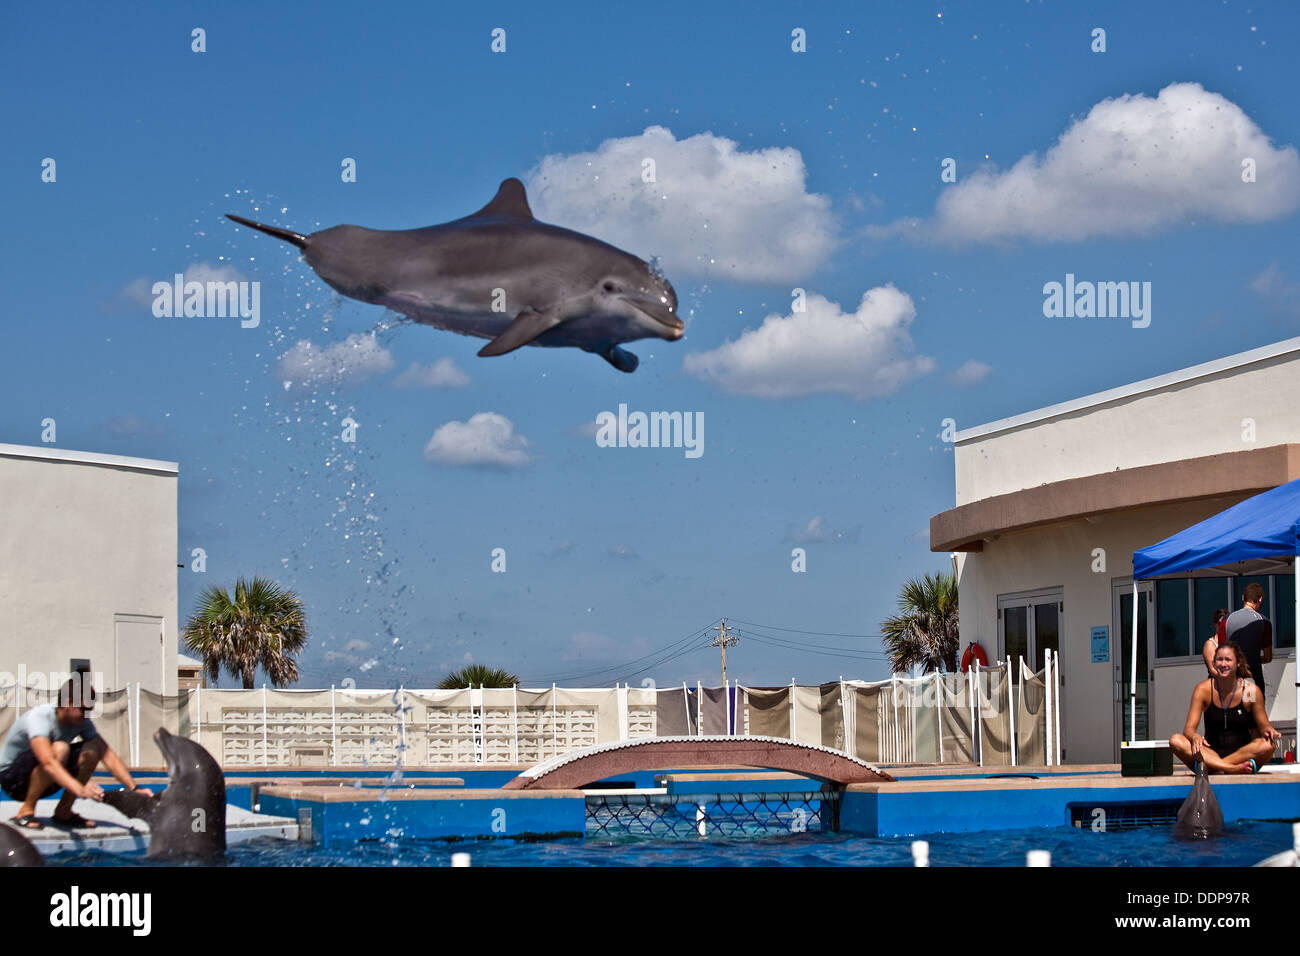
{"x":1051,"y":505}
{"x":88,"y":569}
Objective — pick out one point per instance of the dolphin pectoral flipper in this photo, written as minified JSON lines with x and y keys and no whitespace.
{"x":132,"y":804}
{"x":621,"y":359}
{"x":527,"y":326}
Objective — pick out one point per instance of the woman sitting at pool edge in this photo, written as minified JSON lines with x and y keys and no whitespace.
{"x":1238,"y":736}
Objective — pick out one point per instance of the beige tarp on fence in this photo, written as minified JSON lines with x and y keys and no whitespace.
{"x":1031,"y":722}
{"x":867,"y":703}
{"x":768,"y":711}
{"x":954,"y":705}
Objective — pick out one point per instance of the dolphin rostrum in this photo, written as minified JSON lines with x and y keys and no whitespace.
{"x":188,"y":819}
{"x":500,"y":274}
{"x":1200,"y":817}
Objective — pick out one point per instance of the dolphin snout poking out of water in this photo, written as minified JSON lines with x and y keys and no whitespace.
{"x":1199,"y":817}
{"x":188,"y":819}
{"x":500,"y":274}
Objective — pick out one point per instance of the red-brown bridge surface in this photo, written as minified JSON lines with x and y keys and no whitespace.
{"x":582,"y":767}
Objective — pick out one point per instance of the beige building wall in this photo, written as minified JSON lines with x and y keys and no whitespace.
{"x":88,"y":565}
{"x":1062,"y":556}
{"x":1187,"y":414}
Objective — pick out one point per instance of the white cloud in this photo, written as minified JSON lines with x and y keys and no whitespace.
{"x":355,"y":359}
{"x":1278,"y":292}
{"x":817,"y":532}
{"x":714,"y":209}
{"x":971,"y":372}
{"x":821,"y":350}
{"x":443,"y":373}
{"x":622,"y":551}
{"x":487,"y":440}
{"x":1132,"y":165}
{"x":140,"y":291}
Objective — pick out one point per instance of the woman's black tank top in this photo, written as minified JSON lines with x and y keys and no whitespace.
{"x":1228,"y":729}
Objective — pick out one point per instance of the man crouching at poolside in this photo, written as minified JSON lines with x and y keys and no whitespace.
{"x":51,"y":747}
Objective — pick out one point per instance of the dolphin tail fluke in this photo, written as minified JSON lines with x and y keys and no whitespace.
{"x":297,"y":239}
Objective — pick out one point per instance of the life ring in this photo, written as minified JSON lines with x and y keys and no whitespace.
{"x":973,"y":653}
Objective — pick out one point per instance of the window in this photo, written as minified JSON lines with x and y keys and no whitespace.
{"x":1185,"y":610}
{"x":1173,"y":630}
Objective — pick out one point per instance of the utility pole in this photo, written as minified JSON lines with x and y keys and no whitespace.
{"x":724,"y":640}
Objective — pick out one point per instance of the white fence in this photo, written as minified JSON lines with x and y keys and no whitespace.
{"x":996,"y":716}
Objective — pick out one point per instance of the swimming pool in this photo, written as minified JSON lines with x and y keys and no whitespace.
{"x":1243,"y":844}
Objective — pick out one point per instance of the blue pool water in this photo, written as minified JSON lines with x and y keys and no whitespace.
{"x":1243,"y":845}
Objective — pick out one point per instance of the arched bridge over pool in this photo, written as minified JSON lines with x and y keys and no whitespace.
{"x":580,"y":768}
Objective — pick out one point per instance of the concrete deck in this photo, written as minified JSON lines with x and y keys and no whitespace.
{"x":116,"y":833}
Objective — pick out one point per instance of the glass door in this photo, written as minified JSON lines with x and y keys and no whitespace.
{"x":1029,"y":624}
{"x":1126,"y":705}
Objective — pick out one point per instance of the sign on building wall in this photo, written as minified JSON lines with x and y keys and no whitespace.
{"x":1101,"y":644}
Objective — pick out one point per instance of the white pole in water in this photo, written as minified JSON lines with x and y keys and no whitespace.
{"x":920,"y":853}
{"x":460,"y":859}
{"x":1133,"y":672}
{"x":1038,"y":858}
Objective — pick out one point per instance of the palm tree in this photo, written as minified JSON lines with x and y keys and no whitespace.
{"x":924,"y":631}
{"x":263,"y":626}
{"x":477,"y":675}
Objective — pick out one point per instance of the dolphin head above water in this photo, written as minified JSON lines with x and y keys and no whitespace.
{"x":188,"y":819}
{"x":500,"y":274}
{"x":1199,"y":817}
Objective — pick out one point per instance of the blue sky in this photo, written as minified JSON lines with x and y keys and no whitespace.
{"x":818,"y":170}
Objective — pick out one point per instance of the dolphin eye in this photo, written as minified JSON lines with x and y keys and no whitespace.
{"x":609,"y":286}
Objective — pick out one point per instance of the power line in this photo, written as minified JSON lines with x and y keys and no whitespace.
{"x":795,"y":630}
{"x":672,"y":652}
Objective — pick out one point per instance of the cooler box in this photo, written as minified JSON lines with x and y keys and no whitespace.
{"x":1145,"y":758}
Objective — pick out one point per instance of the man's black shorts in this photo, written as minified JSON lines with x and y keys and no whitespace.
{"x":16,"y":777}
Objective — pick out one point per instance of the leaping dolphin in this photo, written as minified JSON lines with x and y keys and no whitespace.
{"x":499,"y":274}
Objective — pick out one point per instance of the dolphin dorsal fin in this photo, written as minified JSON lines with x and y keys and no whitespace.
{"x":511,"y":200}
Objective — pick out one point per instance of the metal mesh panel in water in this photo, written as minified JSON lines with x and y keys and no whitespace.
{"x":710,"y":815}
{"x":1102,"y":817}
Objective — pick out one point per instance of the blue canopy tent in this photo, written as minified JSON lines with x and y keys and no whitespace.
{"x":1260,"y":535}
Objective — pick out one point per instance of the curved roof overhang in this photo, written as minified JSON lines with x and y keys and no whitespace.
{"x":1249,"y":472}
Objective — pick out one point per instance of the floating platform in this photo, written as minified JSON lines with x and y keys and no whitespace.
{"x":115,"y":833}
